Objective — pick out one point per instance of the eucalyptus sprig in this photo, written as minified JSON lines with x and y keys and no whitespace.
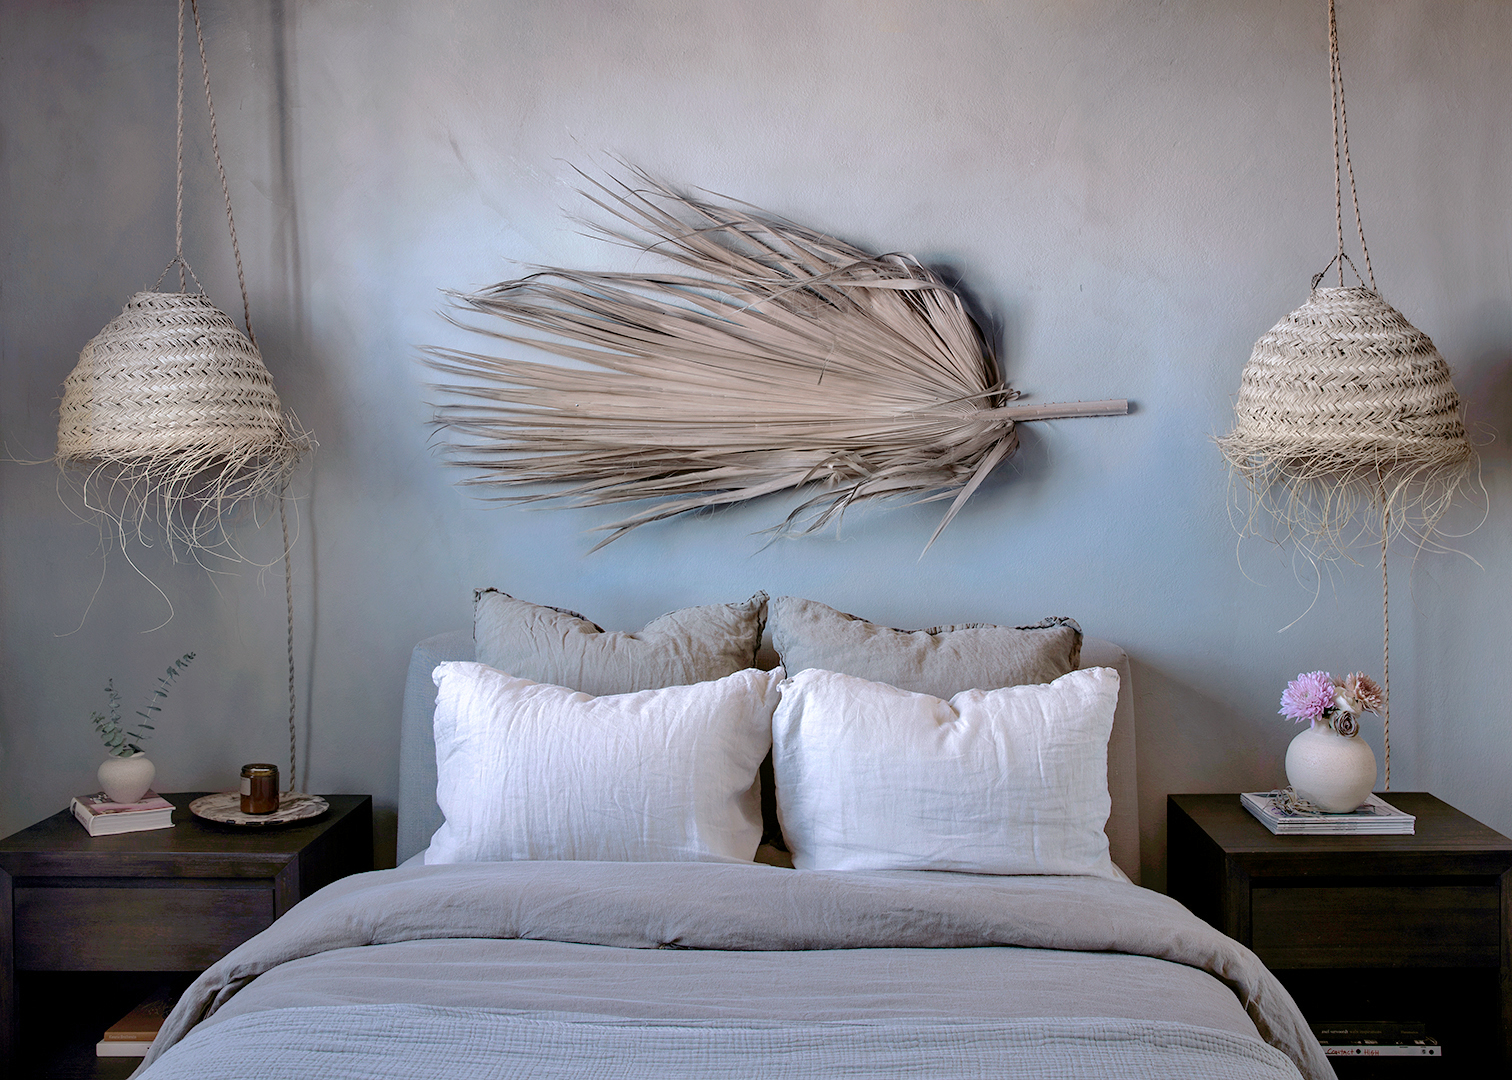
{"x":120,"y":741}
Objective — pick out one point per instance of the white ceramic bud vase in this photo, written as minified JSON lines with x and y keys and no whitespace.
{"x":126,"y":779}
{"x":1332,"y":771}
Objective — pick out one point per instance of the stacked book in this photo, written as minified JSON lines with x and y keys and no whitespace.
{"x":1375,"y":817}
{"x":101,"y":817}
{"x":132,"y":1035}
{"x":1376,"y":1038}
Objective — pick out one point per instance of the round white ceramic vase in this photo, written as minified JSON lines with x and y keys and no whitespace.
{"x":126,"y":779}
{"x":1332,"y":771}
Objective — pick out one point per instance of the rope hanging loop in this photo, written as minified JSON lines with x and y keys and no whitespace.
{"x":1341,"y":154}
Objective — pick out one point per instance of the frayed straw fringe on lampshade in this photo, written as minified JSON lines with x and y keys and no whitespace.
{"x":172,"y":401}
{"x":1346,"y":406}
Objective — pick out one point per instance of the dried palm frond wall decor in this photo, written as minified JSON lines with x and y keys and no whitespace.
{"x":1347,"y":426}
{"x":767,"y":357}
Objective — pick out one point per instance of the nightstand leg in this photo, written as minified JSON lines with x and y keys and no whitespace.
{"x":8,"y":1033}
{"x":1506,"y":973}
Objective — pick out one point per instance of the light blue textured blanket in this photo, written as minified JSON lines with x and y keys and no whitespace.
{"x":432,"y":1043}
{"x":727,"y":908}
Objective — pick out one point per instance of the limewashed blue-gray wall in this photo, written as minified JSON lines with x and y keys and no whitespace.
{"x":1134,"y":192}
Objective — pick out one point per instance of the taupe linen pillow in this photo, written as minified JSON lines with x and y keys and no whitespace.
{"x":941,"y":661}
{"x":550,"y":645}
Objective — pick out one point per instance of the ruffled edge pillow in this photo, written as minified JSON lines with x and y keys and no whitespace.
{"x":528,"y":770}
{"x":1005,"y":781}
{"x":563,"y":648}
{"x":940,"y":661}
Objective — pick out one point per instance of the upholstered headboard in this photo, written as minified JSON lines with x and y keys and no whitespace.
{"x":419,"y":816}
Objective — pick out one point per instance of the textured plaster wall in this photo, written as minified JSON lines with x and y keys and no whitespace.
{"x":1134,"y":192}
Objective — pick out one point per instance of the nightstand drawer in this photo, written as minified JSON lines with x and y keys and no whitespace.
{"x":152,"y":928}
{"x":1377,"y":926}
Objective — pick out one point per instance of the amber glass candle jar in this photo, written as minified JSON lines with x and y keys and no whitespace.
{"x":259,"y":789}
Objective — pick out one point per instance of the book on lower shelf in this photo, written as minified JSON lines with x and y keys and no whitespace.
{"x":1375,"y":817}
{"x":132,"y":1035}
{"x":1425,"y":1047}
{"x":102,"y":817}
{"x":1376,"y":1039}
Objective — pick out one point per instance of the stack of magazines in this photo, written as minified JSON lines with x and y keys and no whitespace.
{"x":1376,"y":1038}
{"x":1375,"y":817}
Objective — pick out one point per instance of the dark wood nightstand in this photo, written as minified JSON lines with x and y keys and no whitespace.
{"x":1407,"y":928}
{"x":171,"y":900}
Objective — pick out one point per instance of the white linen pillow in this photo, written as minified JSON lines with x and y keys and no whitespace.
{"x":1008,"y":781}
{"x":528,"y":770}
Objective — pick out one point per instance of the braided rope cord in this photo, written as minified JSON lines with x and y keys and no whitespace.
{"x":1341,"y":146}
{"x":1385,"y":634}
{"x":1341,"y":156}
{"x":283,"y":520}
{"x":178,"y":176}
{"x":1341,"y":150}
{"x":241,"y":280}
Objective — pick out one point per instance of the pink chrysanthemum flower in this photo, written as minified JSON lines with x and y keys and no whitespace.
{"x":1363,"y":689}
{"x":1308,"y":696}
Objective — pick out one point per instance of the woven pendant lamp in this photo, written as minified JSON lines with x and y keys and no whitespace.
{"x":1346,"y":386}
{"x":171,"y":387}
{"x":170,"y":415}
{"x":1347,"y":424}
{"x":170,"y":419}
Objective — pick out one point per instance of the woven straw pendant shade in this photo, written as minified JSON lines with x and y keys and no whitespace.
{"x":171,"y":419}
{"x":171,"y":374}
{"x":1345,"y":386}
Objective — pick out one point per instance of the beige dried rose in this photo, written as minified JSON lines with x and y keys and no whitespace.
{"x":1364,"y":690}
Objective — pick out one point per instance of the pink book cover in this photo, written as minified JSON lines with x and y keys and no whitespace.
{"x":99,"y":803}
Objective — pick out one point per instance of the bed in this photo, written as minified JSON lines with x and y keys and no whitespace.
{"x":533,"y":935}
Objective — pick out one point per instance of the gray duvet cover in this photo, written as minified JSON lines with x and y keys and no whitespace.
{"x":590,"y":969}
